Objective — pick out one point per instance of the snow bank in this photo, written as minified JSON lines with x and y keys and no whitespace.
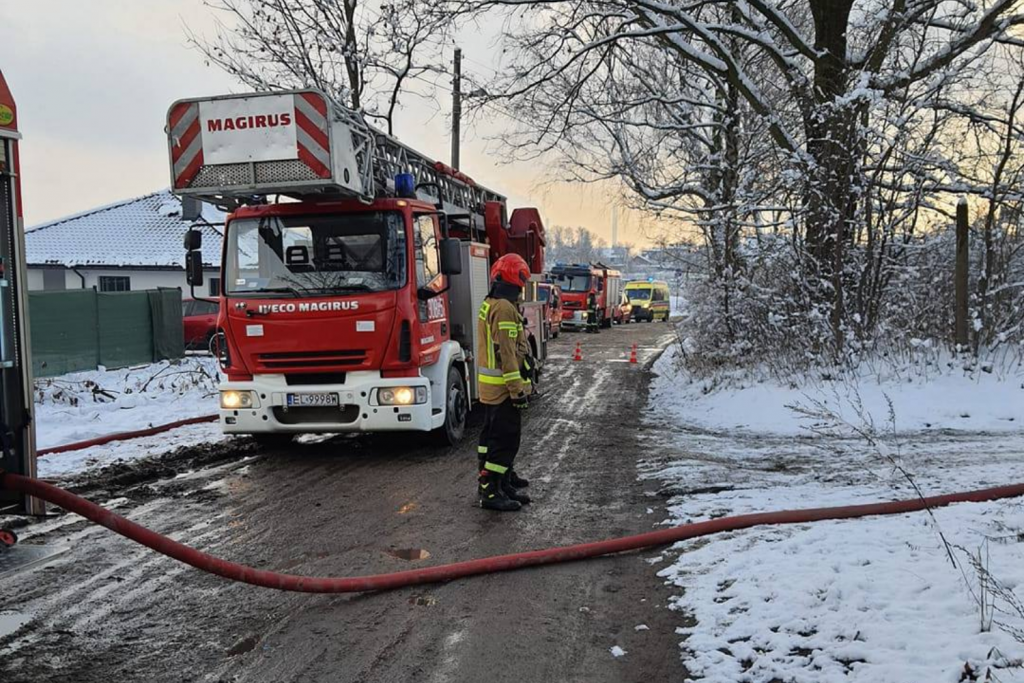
{"x":85,"y":405}
{"x":860,"y":600}
{"x":950,"y":400}
{"x":875,"y":600}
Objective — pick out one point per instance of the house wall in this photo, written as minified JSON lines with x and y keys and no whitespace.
{"x":140,"y":279}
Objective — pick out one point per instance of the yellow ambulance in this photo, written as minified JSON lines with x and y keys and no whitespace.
{"x":650,"y":299}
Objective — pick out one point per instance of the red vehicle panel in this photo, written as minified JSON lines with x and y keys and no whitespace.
{"x":309,"y":335}
{"x":551,"y":295}
{"x":200,"y":320}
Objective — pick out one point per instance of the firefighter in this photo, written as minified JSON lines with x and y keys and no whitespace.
{"x":592,"y":313}
{"x":503,"y":389}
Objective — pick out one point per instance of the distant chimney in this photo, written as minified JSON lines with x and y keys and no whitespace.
{"x":615,"y":226}
{"x":191,"y":208}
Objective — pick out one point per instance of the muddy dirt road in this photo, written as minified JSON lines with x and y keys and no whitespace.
{"x":110,"y":610}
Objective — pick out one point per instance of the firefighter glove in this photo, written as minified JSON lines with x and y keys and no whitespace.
{"x":521,"y":402}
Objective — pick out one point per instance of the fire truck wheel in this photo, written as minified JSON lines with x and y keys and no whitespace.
{"x":457,"y":408}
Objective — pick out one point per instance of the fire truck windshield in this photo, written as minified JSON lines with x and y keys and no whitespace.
{"x":571,"y":283}
{"x":316,"y":255}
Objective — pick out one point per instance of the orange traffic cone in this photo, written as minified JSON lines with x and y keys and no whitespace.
{"x":579,"y":352}
{"x":632,"y":355}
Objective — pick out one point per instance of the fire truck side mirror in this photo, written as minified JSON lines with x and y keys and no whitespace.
{"x":451,"y":256}
{"x":194,"y":268}
{"x":193,"y":240}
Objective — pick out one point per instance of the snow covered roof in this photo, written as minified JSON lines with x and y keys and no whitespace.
{"x":146,"y":232}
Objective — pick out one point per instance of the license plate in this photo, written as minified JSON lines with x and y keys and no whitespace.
{"x":317,"y":400}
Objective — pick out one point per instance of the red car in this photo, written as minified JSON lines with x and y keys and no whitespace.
{"x":552,"y":296}
{"x":200,"y":318}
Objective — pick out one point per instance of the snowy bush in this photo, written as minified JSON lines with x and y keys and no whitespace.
{"x":767,"y":315}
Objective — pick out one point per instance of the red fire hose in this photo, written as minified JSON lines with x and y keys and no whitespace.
{"x":124,"y":436}
{"x":448,"y":572}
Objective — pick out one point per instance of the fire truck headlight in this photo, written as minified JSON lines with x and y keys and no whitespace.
{"x":233,"y":400}
{"x":401,"y":396}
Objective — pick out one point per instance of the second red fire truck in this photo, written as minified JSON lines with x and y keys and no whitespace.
{"x":588,"y":289}
{"x":352,"y":270}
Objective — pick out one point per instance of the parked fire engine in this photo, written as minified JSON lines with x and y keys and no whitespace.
{"x":349,"y":301}
{"x":580,"y":283}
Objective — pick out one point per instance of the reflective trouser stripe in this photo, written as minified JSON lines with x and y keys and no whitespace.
{"x":492,"y":467}
{"x":482,"y":450}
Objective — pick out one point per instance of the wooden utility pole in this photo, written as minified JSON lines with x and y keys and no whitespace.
{"x":456,"y":106}
{"x":960,"y":274}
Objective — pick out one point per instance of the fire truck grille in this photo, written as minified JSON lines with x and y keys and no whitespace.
{"x":229,"y":175}
{"x":317,"y":359}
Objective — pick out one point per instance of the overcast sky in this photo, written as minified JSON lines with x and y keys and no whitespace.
{"x":93,"y":81}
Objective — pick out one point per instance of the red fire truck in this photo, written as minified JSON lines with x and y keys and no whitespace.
{"x":580,"y":283}
{"x":352,"y":271}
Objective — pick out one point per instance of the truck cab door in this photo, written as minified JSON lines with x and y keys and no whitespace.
{"x":433,"y":312}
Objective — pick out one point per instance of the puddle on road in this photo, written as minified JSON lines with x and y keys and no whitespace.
{"x":409,"y":553}
{"x":11,"y":621}
{"x":247,"y":644}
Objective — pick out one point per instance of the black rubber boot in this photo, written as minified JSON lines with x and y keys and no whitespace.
{"x":512,"y":492}
{"x":516,"y":481}
{"x":492,"y":493}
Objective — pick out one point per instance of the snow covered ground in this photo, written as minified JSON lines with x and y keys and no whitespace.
{"x":84,"y":405}
{"x":875,"y":599}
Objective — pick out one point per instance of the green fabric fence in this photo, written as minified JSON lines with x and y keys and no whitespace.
{"x":80,"y":329}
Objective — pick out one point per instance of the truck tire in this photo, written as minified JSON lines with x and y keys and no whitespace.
{"x":457,"y":408}
{"x":605,"y":322}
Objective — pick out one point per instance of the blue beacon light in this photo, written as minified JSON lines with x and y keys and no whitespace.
{"x":405,"y":185}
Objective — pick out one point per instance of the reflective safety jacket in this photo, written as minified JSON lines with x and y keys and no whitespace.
{"x":501,"y":352}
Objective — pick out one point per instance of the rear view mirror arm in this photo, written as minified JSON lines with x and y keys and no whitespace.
{"x":193,"y":244}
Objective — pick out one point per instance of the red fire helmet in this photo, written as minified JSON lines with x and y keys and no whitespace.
{"x":511,"y":268}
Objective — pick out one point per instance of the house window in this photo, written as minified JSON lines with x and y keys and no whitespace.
{"x":214,"y":286}
{"x":53,"y":279}
{"x":115,"y":283}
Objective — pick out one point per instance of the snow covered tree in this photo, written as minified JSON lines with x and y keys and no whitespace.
{"x":800,"y":116}
{"x":363,"y":53}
